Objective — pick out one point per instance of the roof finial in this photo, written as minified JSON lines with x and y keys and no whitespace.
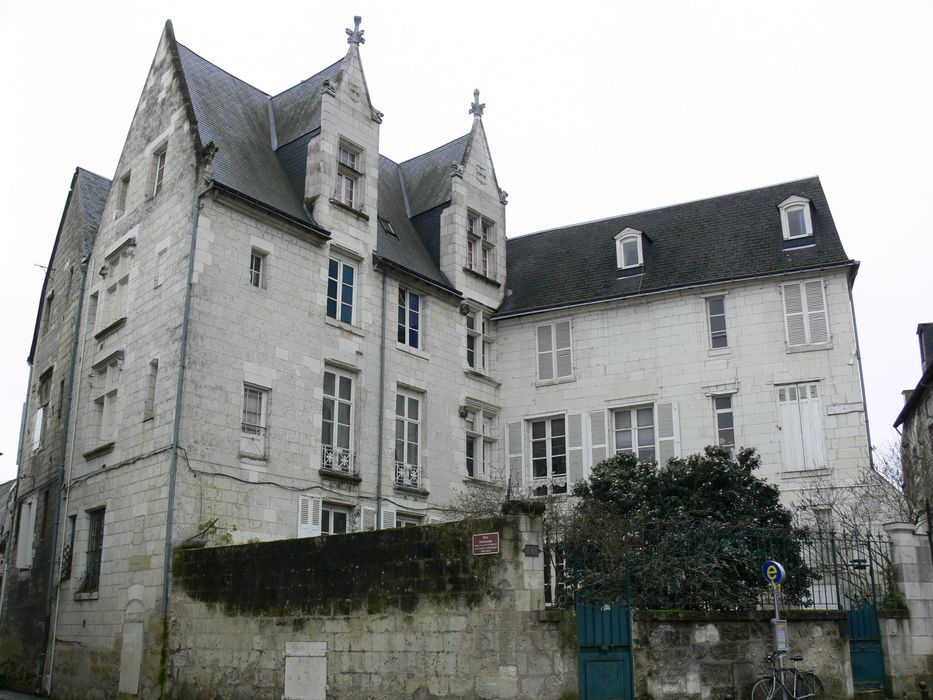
{"x":476,"y":108}
{"x":355,"y":35}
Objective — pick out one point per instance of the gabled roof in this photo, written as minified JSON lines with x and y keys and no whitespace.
{"x":427,"y":177}
{"x":735,"y":236}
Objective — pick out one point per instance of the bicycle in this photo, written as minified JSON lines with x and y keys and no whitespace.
{"x":790,"y":683}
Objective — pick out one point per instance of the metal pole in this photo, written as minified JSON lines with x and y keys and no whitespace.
{"x":871,"y":571}
{"x":832,"y":544}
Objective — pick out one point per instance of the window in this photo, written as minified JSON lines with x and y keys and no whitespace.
{"x":151,"y":379}
{"x":716,"y":310}
{"x":334,"y":520}
{"x":122,"y":189}
{"x":340,"y":281}
{"x":555,"y":359}
{"x":349,"y":176}
{"x":795,"y":218}
{"x":481,"y":242}
{"x":257,"y":264}
{"x":548,"y":449}
{"x":161,"y":265}
{"x":43,"y":393}
{"x":106,"y":384}
{"x":26,"y":531}
{"x":95,"y":546}
{"x":47,"y":313}
{"x":628,"y":249}
{"x":634,"y":430}
{"x":159,"y":170}
{"x":253,"y":427}
{"x":409,"y":318}
{"x":112,"y":306}
{"x":480,"y":445}
{"x":407,"y":439}
{"x":805,"y":314}
{"x":337,"y":422}
{"x":68,"y":550}
{"x":479,"y":342}
{"x":801,"y":426}
{"x":407,"y":521}
{"x":92,"y":310}
{"x":725,"y":427}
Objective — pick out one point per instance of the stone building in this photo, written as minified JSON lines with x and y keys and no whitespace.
{"x":284,"y":333}
{"x":916,"y":424}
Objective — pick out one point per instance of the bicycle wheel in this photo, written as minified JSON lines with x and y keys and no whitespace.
{"x":764,"y":689}
{"x":808,"y":686}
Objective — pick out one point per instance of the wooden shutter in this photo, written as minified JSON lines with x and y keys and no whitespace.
{"x":25,"y":535}
{"x":367,"y":518}
{"x":574,"y":447}
{"x":545,"y":353}
{"x":309,"y":516}
{"x":811,"y":423}
{"x":515,"y":453}
{"x":817,"y":320}
{"x":790,"y":427}
{"x":668,"y":432}
{"x":793,"y":315}
{"x":597,"y":437}
{"x":388,"y":518}
{"x":563,"y":349}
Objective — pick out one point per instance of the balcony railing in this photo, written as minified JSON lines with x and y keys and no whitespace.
{"x":338,"y":459}
{"x":252,"y":441}
{"x":408,"y":474}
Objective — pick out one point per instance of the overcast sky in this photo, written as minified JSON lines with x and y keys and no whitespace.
{"x":592,"y":110}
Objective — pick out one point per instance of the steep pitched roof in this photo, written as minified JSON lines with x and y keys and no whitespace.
{"x":405,"y":249}
{"x":297,"y":111}
{"x":731,"y":237}
{"x":427,"y":177}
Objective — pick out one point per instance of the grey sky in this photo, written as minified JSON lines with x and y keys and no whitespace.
{"x":591,"y":110}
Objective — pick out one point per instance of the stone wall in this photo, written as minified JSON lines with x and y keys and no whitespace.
{"x":707,"y":655}
{"x":405,"y":613}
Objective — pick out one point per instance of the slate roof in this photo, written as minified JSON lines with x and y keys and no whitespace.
{"x":427,"y":177}
{"x":731,"y":237}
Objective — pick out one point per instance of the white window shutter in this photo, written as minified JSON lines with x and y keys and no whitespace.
{"x":811,"y":422}
{"x":574,"y":447}
{"x":790,"y":427}
{"x":545,"y":353}
{"x":597,"y":437}
{"x":309,"y":516}
{"x":37,"y":428}
{"x":563,"y":349}
{"x":793,"y":315}
{"x":668,"y":432}
{"x":26,"y":534}
{"x":367,"y":518}
{"x":514,"y":431}
{"x":388,"y":518}
{"x":817,"y":319}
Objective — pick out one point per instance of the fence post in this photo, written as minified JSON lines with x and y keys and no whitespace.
{"x":924,"y":691}
{"x":871,"y":571}
{"x":832,"y":544}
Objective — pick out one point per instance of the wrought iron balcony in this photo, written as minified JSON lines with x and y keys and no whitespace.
{"x":338,"y":459}
{"x":408,"y":474}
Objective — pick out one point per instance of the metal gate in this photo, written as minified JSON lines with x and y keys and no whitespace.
{"x":865,"y":648}
{"x":604,"y":632}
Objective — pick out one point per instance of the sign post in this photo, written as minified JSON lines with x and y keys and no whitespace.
{"x":774,"y":574}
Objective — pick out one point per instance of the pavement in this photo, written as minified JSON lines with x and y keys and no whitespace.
{"x":10,"y":695}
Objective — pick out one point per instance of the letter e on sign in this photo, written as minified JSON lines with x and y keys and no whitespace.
{"x":486,"y":543}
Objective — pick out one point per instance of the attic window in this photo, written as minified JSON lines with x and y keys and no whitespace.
{"x":387,"y":227}
{"x":629,"y":249}
{"x":349,"y":175}
{"x":795,"y":218}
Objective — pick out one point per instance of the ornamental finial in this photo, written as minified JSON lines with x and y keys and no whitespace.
{"x":476,"y":108}
{"x":355,"y":35}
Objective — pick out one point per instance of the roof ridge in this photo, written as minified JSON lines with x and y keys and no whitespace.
{"x":445,"y":145}
{"x":302,"y":82}
{"x":91,"y":172}
{"x":222,"y":70}
{"x":666,"y":206}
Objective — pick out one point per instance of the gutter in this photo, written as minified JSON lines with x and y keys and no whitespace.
{"x":179,"y":386}
{"x":53,"y":584}
{"x":380,"y":463}
{"x":307,"y":225}
{"x":380,"y":260}
{"x":667,"y":290}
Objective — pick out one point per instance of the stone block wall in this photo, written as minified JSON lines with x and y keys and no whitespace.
{"x":707,"y":655}
{"x":404,"y":613}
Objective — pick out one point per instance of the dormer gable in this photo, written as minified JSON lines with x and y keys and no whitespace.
{"x":796,"y":218}
{"x":630,"y":254}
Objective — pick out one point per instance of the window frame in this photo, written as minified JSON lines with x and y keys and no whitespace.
{"x":554,"y":351}
{"x":478,"y":341}
{"x":715,"y":334}
{"x":159,"y":160}
{"x":105,"y":396}
{"x":43,"y":398}
{"x":26,"y":532}
{"x":812,"y":427}
{"x":548,"y":440}
{"x":481,"y":244}
{"x":410,"y":326}
{"x":719,"y":412}
{"x":90,"y":580}
{"x":634,"y":429}
{"x":337,"y":457}
{"x":348,"y":189}
{"x":255,"y":435}
{"x":258,"y":271}
{"x":621,"y":238}
{"x":796,"y":203}
{"x":338,"y":284}
{"x":480,"y":444}
{"x":328,"y":511}
{"x":408,"y":470}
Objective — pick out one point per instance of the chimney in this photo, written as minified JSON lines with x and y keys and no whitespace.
{"x":925,"y":334}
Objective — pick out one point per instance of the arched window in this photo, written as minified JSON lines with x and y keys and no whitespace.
{"x":628,"y":249}
{"x":795,"y":218}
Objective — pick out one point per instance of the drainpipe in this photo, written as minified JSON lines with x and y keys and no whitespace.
{"x":382,"y":403}
{"x":63,"y":493}
{"x":861,"y":375}
{"x":176,"y":427}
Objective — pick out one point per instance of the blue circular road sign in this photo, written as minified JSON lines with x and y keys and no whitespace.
{"x":773,"y":572}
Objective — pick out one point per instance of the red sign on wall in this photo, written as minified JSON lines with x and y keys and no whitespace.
{"x":486,"y":543}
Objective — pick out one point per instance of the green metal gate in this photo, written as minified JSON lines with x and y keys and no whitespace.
{"x":605,"y":663}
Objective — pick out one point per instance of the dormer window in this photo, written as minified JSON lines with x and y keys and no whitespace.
{"x":795,"y":218}
{"x":349,"y":176}
{"x":629,"y":249}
